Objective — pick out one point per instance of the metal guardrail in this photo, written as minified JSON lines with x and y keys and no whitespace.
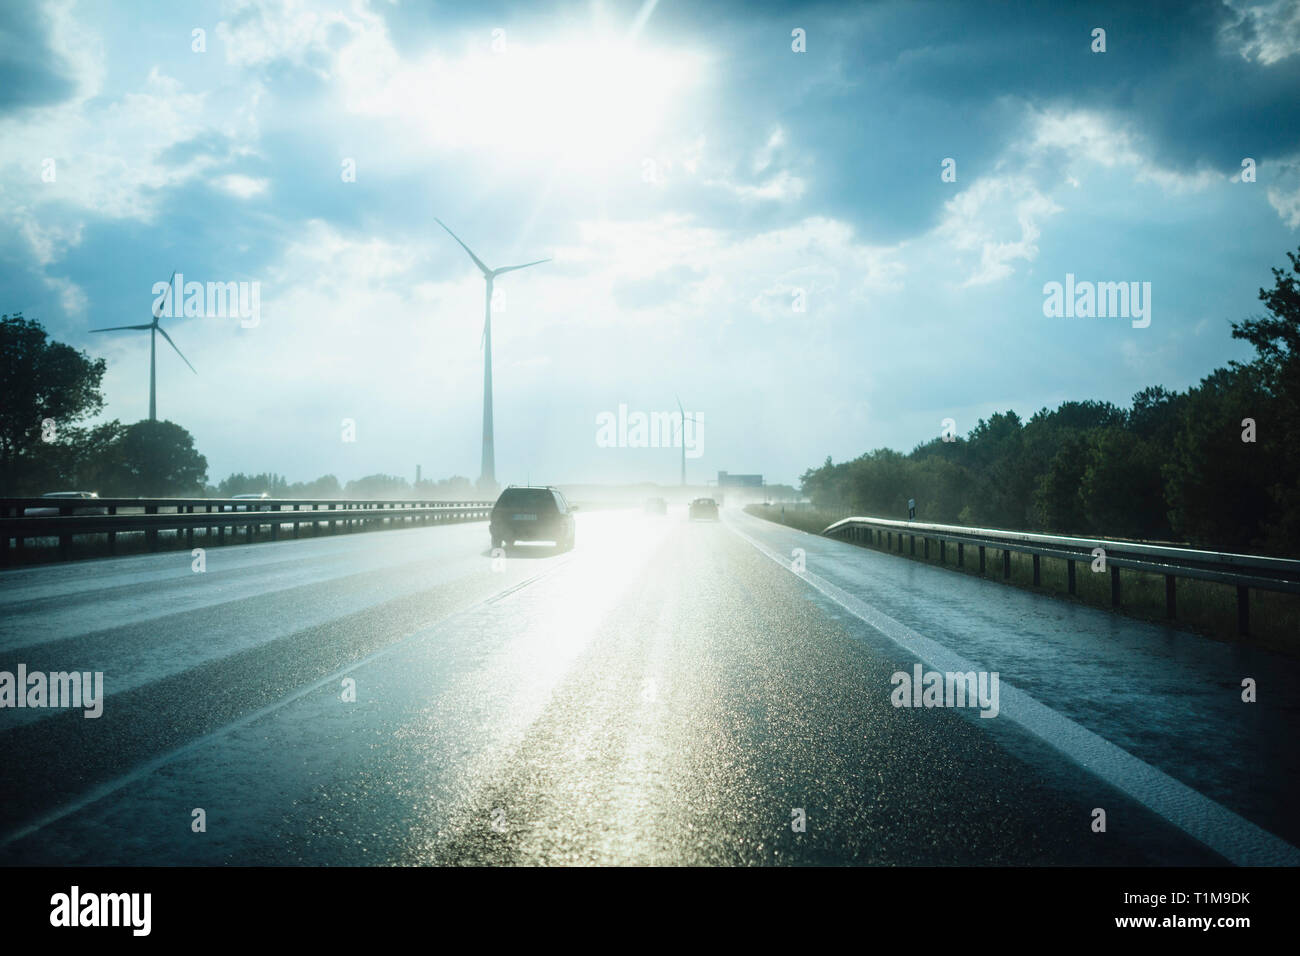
{"x":215,"y":515}
{"x":1244,"y":571}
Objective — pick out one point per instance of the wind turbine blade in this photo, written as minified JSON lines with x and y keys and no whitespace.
{"x":118,"y":328}
{"x":158,"y":314}
{"x":178,"y":351}
{"x":497,"y":272}
{"x":477,"y":261}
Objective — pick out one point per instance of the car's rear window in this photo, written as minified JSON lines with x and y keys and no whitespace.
{"x":527,"y":499}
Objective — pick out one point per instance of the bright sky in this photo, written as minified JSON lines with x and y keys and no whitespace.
{"x":693,"y":178}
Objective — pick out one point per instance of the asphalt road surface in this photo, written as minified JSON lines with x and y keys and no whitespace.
{"x":669,"y":692}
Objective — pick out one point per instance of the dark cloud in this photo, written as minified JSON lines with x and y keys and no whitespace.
{"x":31,"y":73}
{"x":888,"y":90}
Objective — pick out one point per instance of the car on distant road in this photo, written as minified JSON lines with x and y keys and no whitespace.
{"x":656,"y":506}
{"x":533,"y":513}
{"x":68,"y":495}
{"x":704,"y":508}
{"x":248,"y":507}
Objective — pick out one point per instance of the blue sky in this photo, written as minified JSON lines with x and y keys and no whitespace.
{"x":687,"y":171}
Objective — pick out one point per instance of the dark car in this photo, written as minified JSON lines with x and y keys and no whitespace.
{"x":704,"y":508}
{"x":528,"y":513}
{"x":656,"y":506}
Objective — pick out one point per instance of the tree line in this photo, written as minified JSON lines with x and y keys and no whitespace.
{"x":1215,"y":466}
{"x":378,"y":486}
{"x":50,"y":389}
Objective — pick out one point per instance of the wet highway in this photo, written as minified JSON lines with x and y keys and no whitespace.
{"x":669,"y":692}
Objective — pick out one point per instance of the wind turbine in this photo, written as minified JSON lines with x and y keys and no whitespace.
{"x":488,"y":476}
{"x":685,"y":418}
{"x":154,"y":328}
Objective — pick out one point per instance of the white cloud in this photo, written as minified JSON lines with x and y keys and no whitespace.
{"x":1262,"y":32}
{"x":783,"y":187}
{"x":1077,"y":138}
{"x":763,"y":158}
{"x":48,"y":241}
{"x":243,"y":187}
{"x":294,"y":31}
{"x":999,"y":217}
{"x":1284,"y":192}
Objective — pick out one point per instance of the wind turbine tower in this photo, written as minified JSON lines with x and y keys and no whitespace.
{"x":488,"y":478}
{"x":154,"y":330}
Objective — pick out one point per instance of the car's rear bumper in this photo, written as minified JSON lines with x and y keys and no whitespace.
{"x":529,"y":531}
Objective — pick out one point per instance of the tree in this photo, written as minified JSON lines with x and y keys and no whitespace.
{"x":1122,"y":491}
{"x":40,"y":380}
{"x":327,"y":486}
{"x":1058,"y":506}
{"x":241,"y":484}
{"x":1276,"y":338}
{"x":1215,"y":483}
{"x":378,"y":486}
{"x":158,"y":459}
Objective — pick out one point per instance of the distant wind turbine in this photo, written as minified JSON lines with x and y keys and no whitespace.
{"x":488,"y":476}
{"x":154,"y":329}
{"x":685,"y":418}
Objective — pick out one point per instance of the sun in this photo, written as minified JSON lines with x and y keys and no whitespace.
{"x":584,"y":104}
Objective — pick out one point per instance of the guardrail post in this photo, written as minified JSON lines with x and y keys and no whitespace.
{"x":961,"y":554}
{"x":1243,"y":610}
{"x":1114,"y":585}
{"x":112,"y":535}
{"x":1006,"y":563}
{"x":1070,"y":575}
{"x":1038,"y":578}
{"x":913,"y":537}
{"x":1171,"y":598}
{"x":943,"y":552}
{"x":925,"y":542}
{"x":189,"y":530}
{"x":151,"y":536}
{"x":275,"y":525}
{"x":981,"y":559}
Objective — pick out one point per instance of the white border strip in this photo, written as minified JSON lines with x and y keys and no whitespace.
{"x":1223,"y":831}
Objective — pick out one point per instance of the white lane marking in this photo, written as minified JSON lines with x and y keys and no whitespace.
{"x":1228,"y":834}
